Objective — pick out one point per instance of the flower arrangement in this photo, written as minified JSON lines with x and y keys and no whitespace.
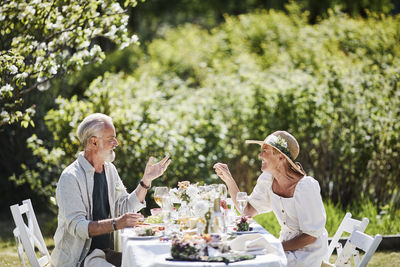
{"x":188,"y":248}
{"x":185,"y":191}
{"x":207,"y":248}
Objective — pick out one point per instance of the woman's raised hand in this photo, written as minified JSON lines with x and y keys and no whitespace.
{"x":223,"y":172}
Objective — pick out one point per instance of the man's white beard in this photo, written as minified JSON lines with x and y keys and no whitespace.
{"x":109,"y":157}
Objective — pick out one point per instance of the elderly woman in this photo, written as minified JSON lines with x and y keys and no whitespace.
{"x":295,"y":199}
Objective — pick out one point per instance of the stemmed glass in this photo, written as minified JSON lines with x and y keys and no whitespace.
{"x":241,"y":200}
{"x":163,"y":199}
{"x":159,"y":195}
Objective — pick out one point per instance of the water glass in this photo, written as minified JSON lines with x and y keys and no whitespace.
{"x":241,"y":200}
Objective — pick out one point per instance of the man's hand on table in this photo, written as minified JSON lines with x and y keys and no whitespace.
{"x":129,"y":219}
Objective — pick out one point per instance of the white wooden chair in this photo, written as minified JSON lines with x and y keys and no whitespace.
{"x":361,"y":241}
{"x":28,"y":235}
{"x":348,"y":224}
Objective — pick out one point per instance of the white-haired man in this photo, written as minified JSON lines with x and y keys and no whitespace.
{"x":93,"y":201}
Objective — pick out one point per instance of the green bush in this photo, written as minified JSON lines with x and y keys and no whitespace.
{"x":198,"y":94}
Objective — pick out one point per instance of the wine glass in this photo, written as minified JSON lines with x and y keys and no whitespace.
{"x":241,"y":200}
{"x":159,"y":194}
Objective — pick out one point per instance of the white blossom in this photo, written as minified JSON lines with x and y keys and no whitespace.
{"x":6,"y":88}
{"x":85,"y":44}
{"x":30,"y":110}
{"x":123,"y":45}
{"x":87,"y":31}
{"x":124,"y":20}
{"x":44,"y":86}
{"x":134,"y":38}
{"x":76,"y":8}
{"x":39,"y":60}
{"x":30,"y":9}
{"x":40,"y":79}
{"x":95,"y":50}
{"x":21,"y":75}
{"x":84,"y":53}
{"x":5,"y":116}
{"x":13,"y":69}
{"x":112,"y":31}
{"x":115,"y":7}
{"x":42,"y":45}
{"x":96,"y":31}
{"x":52,"y":44}
{"x":53,"y":70}
{"x":63,"y":37}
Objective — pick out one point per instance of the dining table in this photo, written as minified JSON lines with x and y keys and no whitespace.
{"x":155,"y":252}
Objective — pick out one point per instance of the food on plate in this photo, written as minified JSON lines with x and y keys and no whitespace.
{"x":243,"y":225}
{"x":147,"y":230}
{"x":154,"y":219}
{"x":156,"y":211}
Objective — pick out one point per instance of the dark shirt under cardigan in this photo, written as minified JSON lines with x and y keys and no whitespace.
{"x":101,"y":210}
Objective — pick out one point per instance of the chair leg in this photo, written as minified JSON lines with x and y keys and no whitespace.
{"x":339,"y":248}
{"x":356,"y":257}
{"x":20,"y":251}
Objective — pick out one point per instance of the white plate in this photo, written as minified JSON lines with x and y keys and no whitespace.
{"x":245,"y":232}
{"x":146,"y":237}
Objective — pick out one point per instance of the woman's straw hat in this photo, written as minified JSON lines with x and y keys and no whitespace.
{"x":286,"y":144}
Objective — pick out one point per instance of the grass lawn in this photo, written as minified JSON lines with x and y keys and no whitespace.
{"x":380,"y":259}
{"x":9,"y":256}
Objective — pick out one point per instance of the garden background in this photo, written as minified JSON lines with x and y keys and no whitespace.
{"x":204,"y":77}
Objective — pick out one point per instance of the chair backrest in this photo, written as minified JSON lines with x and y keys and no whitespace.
{"x":29,"y":235}
{"x":361,"y":241}
{"x":348,"y":224}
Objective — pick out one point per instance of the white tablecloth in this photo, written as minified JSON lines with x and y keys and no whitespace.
{"x":153,"y":253}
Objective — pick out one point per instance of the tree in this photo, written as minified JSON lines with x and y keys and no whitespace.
{"x":197,"y":94}
{"x":44,"y":39}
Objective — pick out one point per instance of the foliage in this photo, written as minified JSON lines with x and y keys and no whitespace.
{"x":43,"y":39}
{"x":152,"y":18}
{"x":198,"y":94}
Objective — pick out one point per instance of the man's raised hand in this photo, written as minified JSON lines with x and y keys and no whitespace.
{"x":155,"y":170}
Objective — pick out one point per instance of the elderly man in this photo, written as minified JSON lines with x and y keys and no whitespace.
{"x":93,"y":201}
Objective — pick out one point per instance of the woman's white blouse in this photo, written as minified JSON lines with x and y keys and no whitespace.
{"x":302,"y":213}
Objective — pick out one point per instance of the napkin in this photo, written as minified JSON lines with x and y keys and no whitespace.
{"x":252,"y":243}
